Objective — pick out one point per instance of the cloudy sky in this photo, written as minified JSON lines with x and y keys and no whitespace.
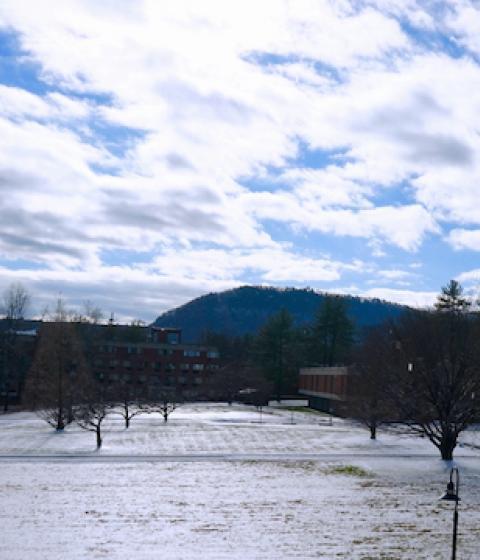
{"x":152,"y":151}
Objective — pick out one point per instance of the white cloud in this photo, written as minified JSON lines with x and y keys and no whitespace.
{"x":172,"y":278}
{"x":464,"y":239}
{"x":394,"y":274}
{"x":412,"y":298}
{"x":171,"y":127}
{"x":470,"y":276}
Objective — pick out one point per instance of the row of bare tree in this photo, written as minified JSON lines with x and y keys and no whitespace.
{"x":61,"y":387}
{"x":59,"y":384}
{"x":422,"y":371}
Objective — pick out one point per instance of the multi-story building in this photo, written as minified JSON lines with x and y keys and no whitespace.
{"x":17,"y":346}
{"x":157,"y":360}
{"x":149,"y":360}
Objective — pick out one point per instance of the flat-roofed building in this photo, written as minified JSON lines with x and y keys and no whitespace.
{"x":326,"y":387}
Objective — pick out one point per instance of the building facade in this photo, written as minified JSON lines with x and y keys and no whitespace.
{"x":158,"y":363}
{"x":145,"y":362}
{"x":326,"y":387}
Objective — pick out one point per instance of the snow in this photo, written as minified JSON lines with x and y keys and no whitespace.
{"x":222,"y":482}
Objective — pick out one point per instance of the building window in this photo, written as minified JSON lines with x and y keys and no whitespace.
{"x":213,"y":354}
{"x":197,"y":367}
{"x":191,"y":353}
{"x":173,"y":338}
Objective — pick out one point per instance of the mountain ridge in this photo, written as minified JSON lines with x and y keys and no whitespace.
{"x":245,"y":309}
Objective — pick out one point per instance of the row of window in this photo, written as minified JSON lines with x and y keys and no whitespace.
{"x":113,"y":364}
{"x":153,"y":380}
{"x":111,"y":349}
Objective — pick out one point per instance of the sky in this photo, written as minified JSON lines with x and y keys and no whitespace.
{"x":152,"y":152}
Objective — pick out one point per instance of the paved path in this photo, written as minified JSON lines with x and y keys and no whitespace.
{"x":213,"y":457}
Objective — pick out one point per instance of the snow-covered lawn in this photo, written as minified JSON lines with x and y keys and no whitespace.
{"x":231,"y":488}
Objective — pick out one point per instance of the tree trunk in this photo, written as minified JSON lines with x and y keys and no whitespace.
{"x":70,"y":416}
{"x":446,"y":450}
{"x":447,"y":445}
{"x":165,"y":416}
{"x":127,"y":422}
{"x":5,"y":401}
{"x":60,"y":421}
{"x":99,"y":437}
{"x":373,"y":431}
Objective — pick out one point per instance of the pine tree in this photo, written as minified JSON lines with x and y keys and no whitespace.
{"x":332,"y":333}
{"x":276,"y":351}
{"x":451,"y":298}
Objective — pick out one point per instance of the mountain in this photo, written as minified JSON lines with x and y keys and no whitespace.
{"x":245,"y":309}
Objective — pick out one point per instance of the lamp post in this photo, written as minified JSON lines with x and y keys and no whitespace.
{"x":451,"y":495}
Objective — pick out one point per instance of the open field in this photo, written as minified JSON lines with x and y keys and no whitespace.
{"x":216,"y":483}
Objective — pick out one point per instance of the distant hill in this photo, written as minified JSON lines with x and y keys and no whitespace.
{"x":245,"y":309}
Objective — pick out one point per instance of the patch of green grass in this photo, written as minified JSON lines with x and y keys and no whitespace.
{"x":349,"y":470}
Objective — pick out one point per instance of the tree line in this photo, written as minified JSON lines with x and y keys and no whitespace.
{"x":268,"y":361}
{"x":421,"y":371}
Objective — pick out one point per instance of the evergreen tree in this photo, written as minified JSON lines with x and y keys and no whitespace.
{"x":276,"y":344}
{"x":332,"y":333}
{"x":451,"y":298}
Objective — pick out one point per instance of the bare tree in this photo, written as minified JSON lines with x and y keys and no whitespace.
{"x":16,"y":300}
{"x":368,"y":398}
{"x":166,"y":406}
{"x":163,"y":400}
{"x":434,"y":374}
{"x":59,"y":371}
{"x":130,"y":400}
{"x":92,"y":312}
{"x":91,"y":412}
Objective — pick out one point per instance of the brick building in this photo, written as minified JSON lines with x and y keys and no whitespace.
{"x":157,"y":358}
{"x":150,"y":359}
{"x":326,"y":387}
{"x":17,"y":346}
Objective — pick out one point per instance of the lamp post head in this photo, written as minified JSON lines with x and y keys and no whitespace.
{"x":450,"y":495}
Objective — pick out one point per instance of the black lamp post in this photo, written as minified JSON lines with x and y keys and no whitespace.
{"x":451,"y":495}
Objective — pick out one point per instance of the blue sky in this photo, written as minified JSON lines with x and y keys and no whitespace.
{"x":151,"y":152}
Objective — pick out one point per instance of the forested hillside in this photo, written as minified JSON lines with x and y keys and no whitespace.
{"x":245,"y":309}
